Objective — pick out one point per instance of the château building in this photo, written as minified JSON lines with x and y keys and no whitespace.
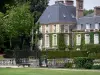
{"x":64,"y":25}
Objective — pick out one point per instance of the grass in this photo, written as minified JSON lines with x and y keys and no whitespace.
{"x":30,"y":71}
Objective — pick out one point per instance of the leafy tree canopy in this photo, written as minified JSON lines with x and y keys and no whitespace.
{"x":86,"y":12}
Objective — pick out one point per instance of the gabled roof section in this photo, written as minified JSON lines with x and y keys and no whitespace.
{"x":58,"y":13}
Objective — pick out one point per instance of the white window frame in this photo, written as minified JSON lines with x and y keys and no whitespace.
{"x":46,"y":28}
{"x":96,"y":38}
{"x":40,"y":29}
{"x":46,"y":40}
{"x":79,"y":27}
{"x":54,"y":40}
{"x":88,"y":26}
{"x":78,"y":39}
{"x":67,"y":39}
{"x":87,"y":39}
{"x":96,"y":26}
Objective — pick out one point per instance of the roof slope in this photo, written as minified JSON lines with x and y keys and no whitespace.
{"x":58,"y":13}
{"x":89,"y":20}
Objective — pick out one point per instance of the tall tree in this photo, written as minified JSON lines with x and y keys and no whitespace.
{"x":37,"y":7}
{"x":19,"y":22}
{"x":2,"y":30}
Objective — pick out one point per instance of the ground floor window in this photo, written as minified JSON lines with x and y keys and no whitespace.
{"x":54,"y":39}
{"x":87,"y":38}
{"x":96,"y":38}
{"x":78,"y":39}
{"x":46,"y":40}
{"x":67,"y":39}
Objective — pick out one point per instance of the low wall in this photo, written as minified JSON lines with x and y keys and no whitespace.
{"x":12,"y":62}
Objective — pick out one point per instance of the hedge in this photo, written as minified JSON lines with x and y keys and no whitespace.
{"x":64,"y":54}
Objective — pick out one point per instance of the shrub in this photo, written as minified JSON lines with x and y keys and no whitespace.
{"x":96,"y":67}
{"x":83,"y":62}
{"x":88,"y":64}
{"x":68,"y":65}
{"x":8,"y":53}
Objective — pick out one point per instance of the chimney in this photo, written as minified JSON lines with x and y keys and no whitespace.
{"x":59,"y":1}
{"x":79,"y":9}
{"x":97,"y":11}
{"x":69,"y":2}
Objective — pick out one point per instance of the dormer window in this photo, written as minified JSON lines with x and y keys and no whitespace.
{"x":79,"y":27}
{"x":88,"y":26}
{"x":73,"y":16}
{"x":96,"y":26}
{"x":48,"y":16}
{"x":64,"y":15}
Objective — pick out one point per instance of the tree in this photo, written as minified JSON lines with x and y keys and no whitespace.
{"x":37,"y":7}
{"x":3,"y":2}
{"x":86,"y":12}
{"x":18,"y":19}
{"x":19,"y":22}
{"x":2,"y":30}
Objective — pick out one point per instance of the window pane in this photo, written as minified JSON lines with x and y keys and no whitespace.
{"x":78,"y":39}
{"x":96,"y":39}
{"x":87,"y":26}
{"x":96,"y":26}
{"x":87,"y":38}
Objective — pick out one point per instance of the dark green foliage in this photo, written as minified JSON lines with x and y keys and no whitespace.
{"x":82,"y":41}
{"x":92,"y":55}
{"x":2,"y":30}
{"x":96,"y":67}
{"x":37,"y":7}
{"x":91,"y":37}
{"x":78,"y":54}
{"x":92,"y":48}
{"x":83,"y":62}
{"x":88,"y":64}
{"x":61,"y":42}
{"x":98,"y":55}
{"x":86,"y":12}
{"x":64,"y":54}
{"x":50,"y":35}
{"x":68,"y":65}
{"x":8,"y":53}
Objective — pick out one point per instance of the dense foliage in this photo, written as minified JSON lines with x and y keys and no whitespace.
{"x":86,"y":12}
{"x":64,"y":54}
{"x":83,"y":62}
{"x":17,"y":22}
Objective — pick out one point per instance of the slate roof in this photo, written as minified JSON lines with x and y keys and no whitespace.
{"x":58,"y":13}
{"x":90,"y":19}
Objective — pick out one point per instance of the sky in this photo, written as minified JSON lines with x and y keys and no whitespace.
{"x":88,"y":4}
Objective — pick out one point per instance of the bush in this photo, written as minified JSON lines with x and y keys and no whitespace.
{"x":8,"y":53}
{"x":83,"y":62}
{"x":64,"y":54}
{"x":96,"y":67}
{"x":88,"y":64}
{"x":68,"y":65}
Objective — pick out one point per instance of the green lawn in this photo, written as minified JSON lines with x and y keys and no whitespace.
{"x":30,"y":71}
